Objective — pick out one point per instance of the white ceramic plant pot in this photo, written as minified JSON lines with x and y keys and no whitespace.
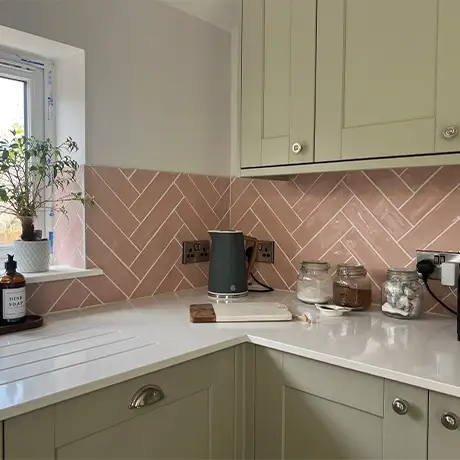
{"x":32,"y":256}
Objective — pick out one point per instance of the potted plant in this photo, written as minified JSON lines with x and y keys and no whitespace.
{"x":29,"y":169}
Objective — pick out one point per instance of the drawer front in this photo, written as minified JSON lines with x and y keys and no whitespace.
{"x":443,"y":442}
{"x":354,"y":389}
{"x":101,"y":409}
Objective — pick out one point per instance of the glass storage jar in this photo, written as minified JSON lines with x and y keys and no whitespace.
{"x":402,"y":294}
{"x":314,"y":284}
{"x":352,"y":287}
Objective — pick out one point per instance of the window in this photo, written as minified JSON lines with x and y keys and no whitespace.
{"x":22,"y":107}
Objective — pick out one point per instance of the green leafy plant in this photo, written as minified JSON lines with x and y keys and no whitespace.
{"x":27,"y":167}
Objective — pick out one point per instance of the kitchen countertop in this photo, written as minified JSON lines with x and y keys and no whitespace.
{"x":82,"y":351}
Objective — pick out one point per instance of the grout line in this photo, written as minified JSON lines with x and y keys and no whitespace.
{"x":318,"y":205}
{"x":365,"y":239}
{"x":156,"y":233}
{"x":443,"y":232}
{"x":141,"y":192}
{"x":432,"y":210}
{"x":156,"y":204}
{"x":169,"y":271}
{"x":60,"y":297}
{"x":325,"y":225}
{"x":211,"y":207}
{"x":92,"y":293}
{"x":118,"y":198}
{"x":424,"y":183}
{"x":383,"y":228}
{"x":337,"y":242}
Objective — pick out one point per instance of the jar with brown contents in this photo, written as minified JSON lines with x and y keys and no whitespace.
{"x":352,"y":287}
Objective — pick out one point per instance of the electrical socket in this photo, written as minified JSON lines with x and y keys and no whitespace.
{"x":266,"y":252}
{"x":194,"y":252}
{"x":438,"y":258}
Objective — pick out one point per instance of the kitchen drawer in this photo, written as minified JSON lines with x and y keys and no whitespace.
{"x":344,"y":386}
{"x":90,"y":413}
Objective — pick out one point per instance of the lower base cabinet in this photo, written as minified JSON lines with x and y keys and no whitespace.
{"x":194,"y":420}
{"x":309,"y":410}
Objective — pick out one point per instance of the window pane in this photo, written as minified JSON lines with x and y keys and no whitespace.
{"x":12,"y":116}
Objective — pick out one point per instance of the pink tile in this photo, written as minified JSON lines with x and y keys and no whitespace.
{"x":278,"y":204}
{"x":221,"y":184}
{"x":72,"y":298}
{"x":431,"y":226}
{"x":197,"y":201}
{"x":415,"y":177}
{"x":141,"y":178}
{"x":321,"y":243}
{"x":194,"y":222}
{"x":46,"y":296}
{"x":244,"y":202}
{"x":447,"y":241}
{"x":152,"y":194}
{"x":113,"y":237}
{"x":109,"y":202}
{"x":289,"y":190}
{"x":160,"y":212}
{"x":378,"y":204}
{"x":317,"y":193}
{"x":376,"y":236}
{"x":306,"y":181}
{"x":193,"y":275}
{"x":118,"y":183}
{"x":102,"y":288}
{"x":171,"y":281}
{"x":428,"y":196}
{"x":247,"y":222}
{"x":238,"y":186}
{"x":338,"y":254}
{"x":322,"y":215}
{"x":204,"y":186}
{"x":271,"y":222}
{"x":391,"y":185}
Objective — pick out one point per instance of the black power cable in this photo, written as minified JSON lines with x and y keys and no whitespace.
{"x":426,"y":268}
{"x":267,"y":288}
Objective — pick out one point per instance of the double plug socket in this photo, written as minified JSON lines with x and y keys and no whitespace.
{"x":447,"y":273}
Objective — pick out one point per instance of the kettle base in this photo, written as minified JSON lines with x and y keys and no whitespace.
{"x":232,"y":296}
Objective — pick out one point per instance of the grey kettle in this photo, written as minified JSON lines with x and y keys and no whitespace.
{"x":228,"y":271}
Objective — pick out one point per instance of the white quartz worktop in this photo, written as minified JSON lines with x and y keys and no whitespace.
{"x":82,"y":351}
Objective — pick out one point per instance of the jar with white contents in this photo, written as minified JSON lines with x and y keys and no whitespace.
{"x":314,"y":284}
{"x":402,"y":294}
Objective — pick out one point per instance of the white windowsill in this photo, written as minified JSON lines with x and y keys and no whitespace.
{"x":61,"y":272}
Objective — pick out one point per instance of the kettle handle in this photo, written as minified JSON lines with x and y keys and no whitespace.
{"x":252,"y":259}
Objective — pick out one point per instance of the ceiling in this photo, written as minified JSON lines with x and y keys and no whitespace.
{"x":222,"y":13}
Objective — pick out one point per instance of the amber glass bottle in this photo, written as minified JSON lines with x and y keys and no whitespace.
{"x":13,"y":293}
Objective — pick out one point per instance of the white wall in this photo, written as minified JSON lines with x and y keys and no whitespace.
{"x":157,"y":80}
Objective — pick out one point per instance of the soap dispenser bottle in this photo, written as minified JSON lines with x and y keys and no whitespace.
{"x":13,"y":293}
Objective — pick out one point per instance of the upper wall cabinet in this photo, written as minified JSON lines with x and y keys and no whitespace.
{"x":387,"y":79}
{"x":278,"y":86}
{"x":349,"y":84}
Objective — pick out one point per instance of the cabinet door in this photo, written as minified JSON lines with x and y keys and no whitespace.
{"x":405,"y":433}
{"x":443,"y":432}
{"x":385,"y":78}
{"x":293,"y":423}
{"x":278,"y":82}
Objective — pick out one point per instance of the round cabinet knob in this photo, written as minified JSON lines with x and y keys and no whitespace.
{"x":400,"y":406}
{"x":450,"y":421}
{"x":296,"y":148}
{"x":450,"y":132}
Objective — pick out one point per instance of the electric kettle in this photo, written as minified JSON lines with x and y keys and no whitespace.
{"x":228,"y":271}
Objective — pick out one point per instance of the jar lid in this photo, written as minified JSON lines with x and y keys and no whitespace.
{"x":351,"y":270}
{"x":404,"y":273}
{"x":316,"y":265}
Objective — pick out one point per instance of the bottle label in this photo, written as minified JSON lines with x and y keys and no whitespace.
{"x":14,"y":303}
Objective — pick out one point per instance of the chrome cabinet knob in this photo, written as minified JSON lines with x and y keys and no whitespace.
{"x":296,"y":148}
{"x":146,"y":396}
{"x":450,"y":132}
{"x":400,"y":406}
{"x":450,"y":421}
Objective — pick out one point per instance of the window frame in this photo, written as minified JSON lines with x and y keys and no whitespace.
{"x":39,"y":121}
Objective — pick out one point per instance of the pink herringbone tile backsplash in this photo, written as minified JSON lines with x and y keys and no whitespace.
{"x":134,"y":232}
{"x":377,"y":218}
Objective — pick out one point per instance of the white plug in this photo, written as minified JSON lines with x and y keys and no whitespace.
{"x":449,"y":273}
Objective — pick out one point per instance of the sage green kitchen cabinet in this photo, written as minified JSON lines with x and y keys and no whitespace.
{"x":444,"y":429}
{"x":278,"y":82}
{"x":194,"y":420}
{"x":387,"y":79}
{"x":309,"y":410}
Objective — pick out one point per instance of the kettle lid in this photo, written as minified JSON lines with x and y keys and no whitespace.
{"x":225,"y":231}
